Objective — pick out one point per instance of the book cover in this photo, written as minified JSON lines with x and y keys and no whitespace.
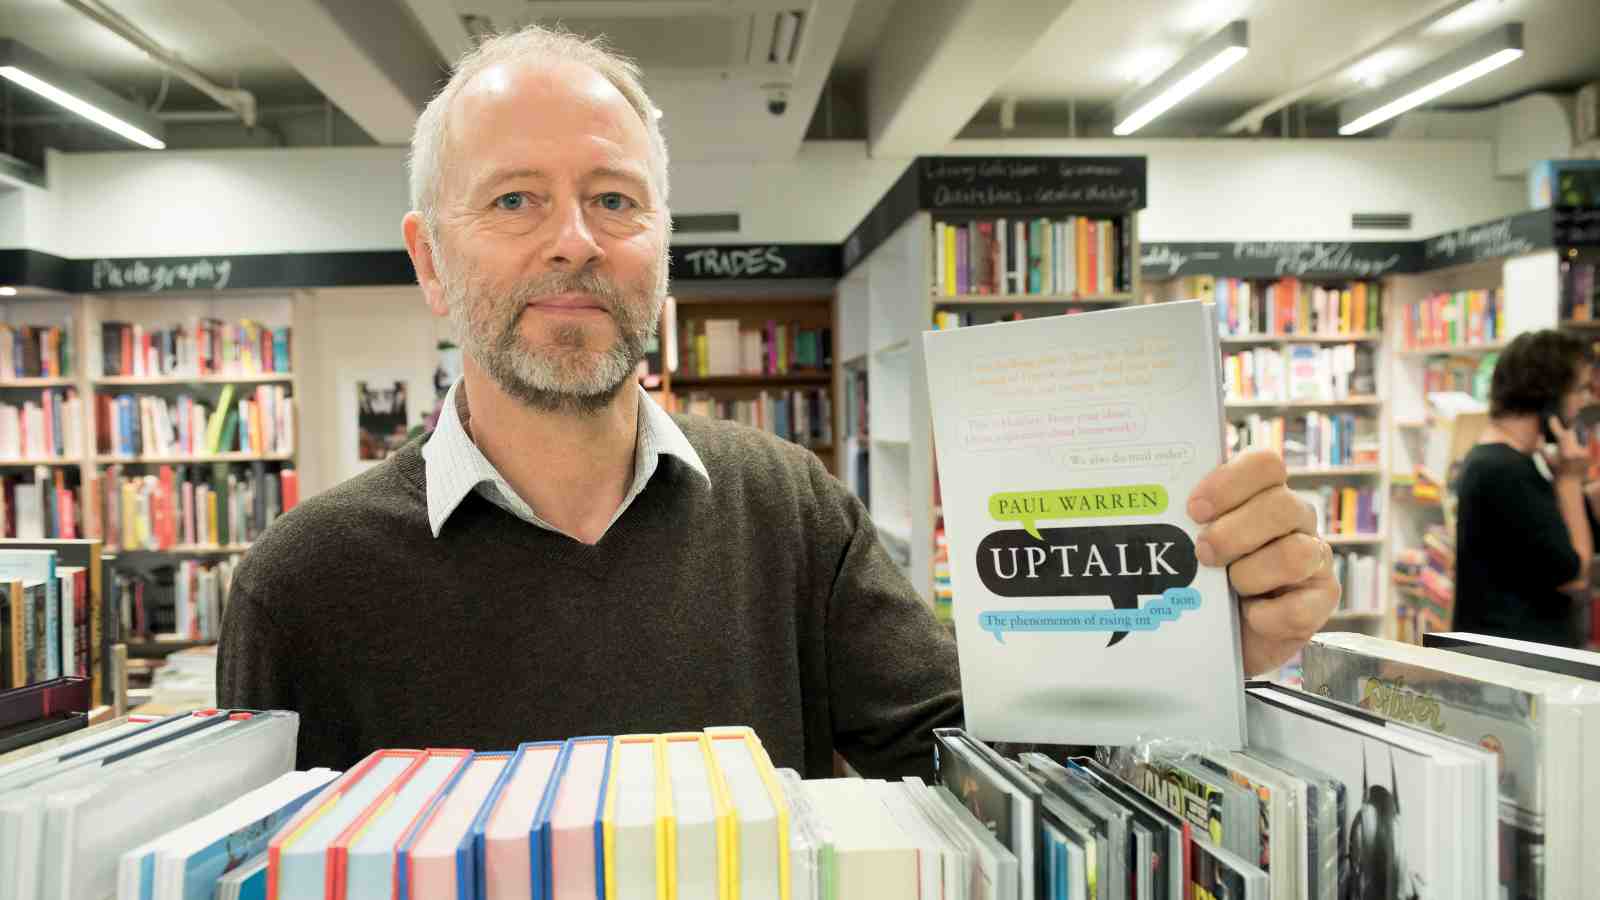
{"x":1067,"y":450}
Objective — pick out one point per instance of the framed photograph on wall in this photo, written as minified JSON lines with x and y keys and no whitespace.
{"x":378,"y":412}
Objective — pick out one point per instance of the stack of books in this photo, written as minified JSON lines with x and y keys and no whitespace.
{"x":54,"y":618}
{"x":211,"y":505}
{"x":1301,"y":373}
{"x":202,"y":347}
{"x":1453,"y":319}
{"x":1313,"y":440}
{"x":1288,"y":307}
{"x":1075,"y":256}
{"x":1442,"y":771}
{"x":1345,"y":511}
{"x":259,"y":423}
{"x":51,"y":428}
{"x":802,"y":416}
{"x":35,"y":351}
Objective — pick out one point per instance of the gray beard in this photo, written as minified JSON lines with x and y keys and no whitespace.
{"x":562,"y":377}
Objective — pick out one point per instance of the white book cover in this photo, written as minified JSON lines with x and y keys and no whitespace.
{"x":1067,"y":450}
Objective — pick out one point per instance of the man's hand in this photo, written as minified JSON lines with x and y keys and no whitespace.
{"x":1267,"y":537}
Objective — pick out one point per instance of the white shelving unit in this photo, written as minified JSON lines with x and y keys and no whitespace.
{"x":890,"y":296}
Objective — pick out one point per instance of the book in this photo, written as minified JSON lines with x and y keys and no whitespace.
{"x":1561,"y":660}
{"x":1533,"y":721}
{"x":1065,"y":474}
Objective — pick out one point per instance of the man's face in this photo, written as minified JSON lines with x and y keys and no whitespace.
{"x":550,"y":246}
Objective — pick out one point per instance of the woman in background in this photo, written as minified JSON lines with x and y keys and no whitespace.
{"x":1525,"y":522}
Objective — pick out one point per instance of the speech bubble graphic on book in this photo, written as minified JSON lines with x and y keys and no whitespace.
{"x":1173,"y":602}
{"x":1121,"y":562}
{"x":1027,"y":507}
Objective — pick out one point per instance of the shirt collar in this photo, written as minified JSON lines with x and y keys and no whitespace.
{"x":454,"y":466}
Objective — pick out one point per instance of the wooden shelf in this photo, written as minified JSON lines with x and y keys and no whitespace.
{"x":1361,"y":400}
{"x":1332,"y":471}
{"x":24,"y":383}
{"x":107,"y":458}
{"x":1580,"y":323}
{"x":159,"y":647}
{"x":183,"y":550}
{"x":1024,"y":299}
{"x":1353,"y":540}
{"x":1242,"y":340}
{"x":1449,"y":351}
{"x":714,"y":381}
{"x":154,"y":380}
{"x":29,"y":462}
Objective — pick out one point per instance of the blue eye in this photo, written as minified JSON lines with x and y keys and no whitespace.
{"x":511,"y":202}
{"x":615,"y":202}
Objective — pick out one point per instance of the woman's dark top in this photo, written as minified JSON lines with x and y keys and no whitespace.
{"x":1513,"y":551}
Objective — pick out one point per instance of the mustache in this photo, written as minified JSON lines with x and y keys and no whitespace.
{"x":552,"y":284}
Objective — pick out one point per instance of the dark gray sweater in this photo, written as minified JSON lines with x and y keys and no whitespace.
{"x":763,"y":600}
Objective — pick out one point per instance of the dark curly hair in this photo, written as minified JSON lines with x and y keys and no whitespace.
{"x":1535,"y":371}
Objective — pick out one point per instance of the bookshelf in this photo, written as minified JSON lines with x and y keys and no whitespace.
{"x":1492,"y":300}
{"x":905,"y":275}
{"x":1275,"y":331}
{"x":761,"y":356}
{"x":87,"y":473}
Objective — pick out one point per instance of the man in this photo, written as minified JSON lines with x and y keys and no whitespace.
{"x":560,"y":557}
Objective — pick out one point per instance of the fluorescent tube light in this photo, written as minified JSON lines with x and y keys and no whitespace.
{"x":29,"y":70}
{"x":1474,"y":60}
{"x":1198,"y":67}
{"x":8,"y":291}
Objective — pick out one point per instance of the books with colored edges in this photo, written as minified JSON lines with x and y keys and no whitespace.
{"x":87,"y":826}
{"x":38,"y":566}
{"x":299,"y":855}
{"x":437,"y":857}
{"x":702,"y":816}
{"x":574,"y":833}
{"x":512,"y":855}
{"x":371,"y":845}
{"x":760,"y":816}
{"x":1543,"y":726}
{"x":1421,"y":819}
{"x":185,"y":863}
{"x":1068,"y":447}
{"x":638,"y":820}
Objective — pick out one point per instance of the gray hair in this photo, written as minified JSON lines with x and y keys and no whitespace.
{"x":533,"y":42}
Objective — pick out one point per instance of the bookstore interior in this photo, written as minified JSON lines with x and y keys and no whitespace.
{"x":1016,"y":275}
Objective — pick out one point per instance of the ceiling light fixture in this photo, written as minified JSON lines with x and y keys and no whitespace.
{"x":28,"y":69}
{"x":1470,"y":61}
{"x":8,"y":291}
{"x":1205,"y":62}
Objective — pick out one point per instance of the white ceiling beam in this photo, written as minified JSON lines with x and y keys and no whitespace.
{"x":368,"y":57}
{"x":443,"y":26}
{"x":940,"y":62}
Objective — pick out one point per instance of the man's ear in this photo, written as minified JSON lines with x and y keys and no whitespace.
{"x":421,"y":249}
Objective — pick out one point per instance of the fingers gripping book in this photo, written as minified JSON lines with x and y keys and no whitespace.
{"x":1067,"y":448}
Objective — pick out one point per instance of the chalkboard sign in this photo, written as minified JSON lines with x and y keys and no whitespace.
{"x":1077,"y":184}
{"x":244,"y":272}
{"x":1279,"y":259}
{"x":1575,"y":226}
{"x":1509,"y":236}
{"x":755,"y":261}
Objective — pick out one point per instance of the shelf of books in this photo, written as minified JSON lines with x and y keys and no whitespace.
{"x":1449,"y":325}
{"x":953,"y":269}
{"x":767,"y":362}
{"x":1303,"y":363}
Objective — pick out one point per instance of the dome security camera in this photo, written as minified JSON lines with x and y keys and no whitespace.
{"x":777,"y":98}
